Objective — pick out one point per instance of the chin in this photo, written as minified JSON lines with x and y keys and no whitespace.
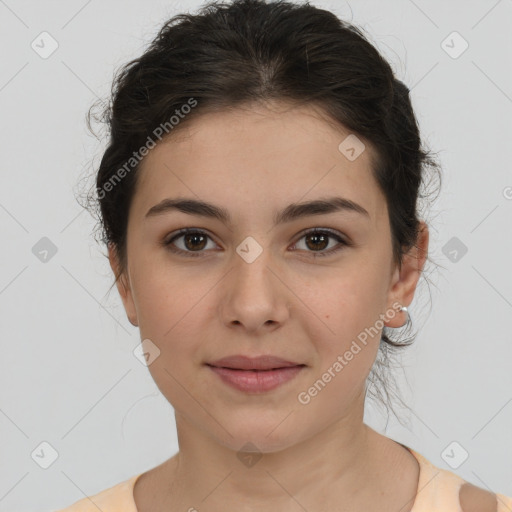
{"x":258,"y":439}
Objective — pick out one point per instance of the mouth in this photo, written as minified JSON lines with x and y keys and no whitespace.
{"x":260,"y":363}
{"x":255,"y":375}
{"x":252,"y":370}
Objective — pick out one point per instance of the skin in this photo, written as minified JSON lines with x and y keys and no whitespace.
{"x":254,"y":162}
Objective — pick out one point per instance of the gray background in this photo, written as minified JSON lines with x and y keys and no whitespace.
{"x":68,"y":374}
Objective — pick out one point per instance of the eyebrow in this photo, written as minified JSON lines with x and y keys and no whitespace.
{"x":291,"y":212}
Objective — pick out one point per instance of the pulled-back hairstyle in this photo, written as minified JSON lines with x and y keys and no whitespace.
{"x":235,"y":54}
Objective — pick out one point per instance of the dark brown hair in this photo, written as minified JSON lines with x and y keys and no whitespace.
{"x":234,"y":54}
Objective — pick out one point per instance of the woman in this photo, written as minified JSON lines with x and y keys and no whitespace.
{"x":259,"y":201}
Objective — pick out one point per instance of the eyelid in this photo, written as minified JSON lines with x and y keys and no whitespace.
{"x":167,"y":242}
{"x":340,"y":237}
{"x":333,"y":232}
{"x":342,"y":240}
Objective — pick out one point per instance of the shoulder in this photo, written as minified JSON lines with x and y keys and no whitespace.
{"x":476,"y":499}
{"x":83,"y":505}
{"x":446,"y":490}
{"x":113,"y":499}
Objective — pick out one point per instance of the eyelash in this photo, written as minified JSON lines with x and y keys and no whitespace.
{"x":315,"y":231}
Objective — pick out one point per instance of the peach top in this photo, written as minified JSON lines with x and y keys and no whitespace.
{"x":438,"y":491}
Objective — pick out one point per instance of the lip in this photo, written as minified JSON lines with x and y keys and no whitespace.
{"x":257,"y":381}
{"x":263,"y":362}
{"x":255,"y":374}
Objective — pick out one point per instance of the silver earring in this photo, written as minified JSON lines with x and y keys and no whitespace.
{"x":404,"y":308}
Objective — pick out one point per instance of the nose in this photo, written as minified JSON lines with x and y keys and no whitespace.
{"x":255,"y":295}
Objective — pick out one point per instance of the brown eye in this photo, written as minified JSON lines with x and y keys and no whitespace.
{"x":316,"y":241}
{"x":194,"y":241}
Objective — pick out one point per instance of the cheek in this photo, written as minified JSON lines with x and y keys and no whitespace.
{"x":170,"y":322}
{"x":172,"y":325}
{"x":162,"y":300}
{"x":341,"y":320}
{"x":346,"y":300}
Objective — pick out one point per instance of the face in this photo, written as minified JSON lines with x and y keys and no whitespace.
{"x":246,"y":285}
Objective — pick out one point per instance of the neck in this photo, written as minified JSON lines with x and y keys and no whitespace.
{"x":207,"y":473}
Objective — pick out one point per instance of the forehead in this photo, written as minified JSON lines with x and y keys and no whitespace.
{"x":259,"y":157}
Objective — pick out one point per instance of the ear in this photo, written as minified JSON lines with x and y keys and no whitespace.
{"x":123,"y":287}
{"x":405,"y":279}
